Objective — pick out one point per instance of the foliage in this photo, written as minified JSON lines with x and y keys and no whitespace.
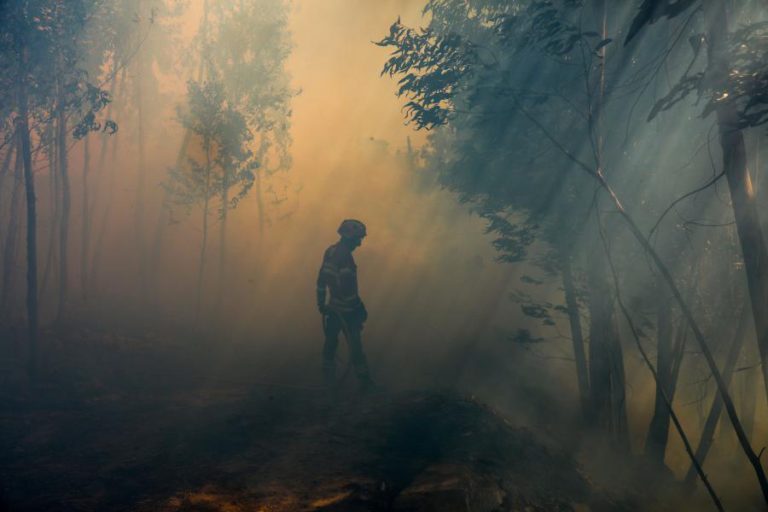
{"x":248,"y":46}
{"x":242,"y":106}
{"x":651,"y":10}
{"x":524,"y":337}
{"x":43,"y":48}
{"x":224,"y":135}
{"x":469,"y":72}
{"x":743,"y":84}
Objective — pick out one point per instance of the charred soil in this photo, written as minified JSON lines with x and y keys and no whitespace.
{"x":123,"y":423}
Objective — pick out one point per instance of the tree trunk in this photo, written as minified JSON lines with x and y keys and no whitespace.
{"x":708,"y":433}
{"x":201,"y":265}
{"x":29,"y":188}
{"x":574,"y":319}
{"x":749,"y":382}
{"x":606,"y":368}
{"x":658,"y":430}
{"x":55,"y":203}
{"x":606,"y":365}
{"x":10,"y":243}
{"x":222,"y":284}
{"x":159,"y":235}
{"x":6,"y":164}
{"x":618,"y":391}
{"x":65,"y":208}
{"x":599,"y":177}
{"x":85,"y":236}
{"x":750,"y":233}
{"x":103,"y":139}
{"x":260,"y":207}
{"x":99,"y":247}
{"x":743,"y":198}
{"x":206,"y":203}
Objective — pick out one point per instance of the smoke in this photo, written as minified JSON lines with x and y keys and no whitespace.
{"x":438,"y":300}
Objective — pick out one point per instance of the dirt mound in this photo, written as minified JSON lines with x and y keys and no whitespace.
{"x":241,"y":446}
{"x":408,"y":452}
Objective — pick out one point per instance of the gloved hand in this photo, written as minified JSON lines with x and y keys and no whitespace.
{"x":363,"y":313}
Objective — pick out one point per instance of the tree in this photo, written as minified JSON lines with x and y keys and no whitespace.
{"x":447,"y":74}
{"x":38,"y":38}
{"x":249,"y":45}
{"x":226,"y":162}
{"x":130,"y":46}
{"x":470,"y":82}
{"x":733,"y":83}
{"x":244,"y":46}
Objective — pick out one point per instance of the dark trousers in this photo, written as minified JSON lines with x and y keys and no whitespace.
{"x":351,"y":326}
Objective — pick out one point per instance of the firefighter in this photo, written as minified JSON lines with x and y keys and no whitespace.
{"x":344,"y":311}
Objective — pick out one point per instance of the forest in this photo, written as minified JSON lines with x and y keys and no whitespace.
{"x":558,"y":299}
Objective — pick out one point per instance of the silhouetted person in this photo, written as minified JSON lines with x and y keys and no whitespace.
{"x":344,"y":310}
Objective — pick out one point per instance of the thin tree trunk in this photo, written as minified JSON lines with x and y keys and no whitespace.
{"x":606,"y":361}
{"x":159,"y":236}
{"x":99,"y":246}
{"x":678,"y":352}
{"x":65,"y":207}
{"x":602,"y":332}
{"x":658,"y":430}
{"x":574,"y":319}
{"x":206,"y":203}
{"x":749,"y":383}
{"x":11,"y":235}
{"x":201,"y":265}
{"x":6,"y":164}
{"x":618,"y":392}
{"x":104,"y":139}
{"x":29,"y":188}
{"x":750,"y":375}
{"x":606,"y":375}
{"x":260,"y":207}
{"x":222,"y":284}
{"x":708,"y":433}
{"x":55,"y":203}
{"x":667,"y":400}
{"x":750,"y":233}
{"x":85,"y":237}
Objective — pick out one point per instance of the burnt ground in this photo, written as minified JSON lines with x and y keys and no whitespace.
{"x":121,"y":423}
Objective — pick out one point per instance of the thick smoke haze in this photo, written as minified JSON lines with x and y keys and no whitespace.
{"x":445,"y":311}
{"x":427,"y":271}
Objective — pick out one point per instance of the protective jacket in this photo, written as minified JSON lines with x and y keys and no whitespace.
{"x":338,"y":273}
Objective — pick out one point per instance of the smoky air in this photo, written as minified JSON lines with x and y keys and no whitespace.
{"x":401,"y":255}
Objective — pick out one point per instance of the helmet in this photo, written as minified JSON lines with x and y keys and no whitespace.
{"x":351,"y":228}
